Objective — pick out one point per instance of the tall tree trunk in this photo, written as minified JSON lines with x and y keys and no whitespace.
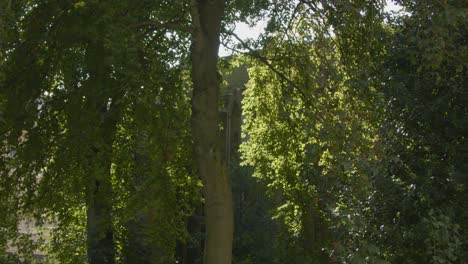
{"x":100,"y":240}
{"x":208,"y":151}
{"x":103,"y":106}
{"x":136,"y":250}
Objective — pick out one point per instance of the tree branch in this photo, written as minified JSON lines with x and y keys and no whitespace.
{"x":176,"y":24}
{"x":255,"y":54}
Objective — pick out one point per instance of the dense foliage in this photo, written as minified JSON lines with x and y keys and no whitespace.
{"x":363,"y":134}
{"x":354,"y":124}
{"x":84,"y":104}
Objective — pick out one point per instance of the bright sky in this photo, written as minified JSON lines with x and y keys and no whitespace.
{"x":244,"y":31}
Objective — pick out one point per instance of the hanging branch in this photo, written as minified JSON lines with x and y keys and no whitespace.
{"x":255,"y":54}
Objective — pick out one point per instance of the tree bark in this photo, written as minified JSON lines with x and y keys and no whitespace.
{"x":137,"y":250}
{"x":100,"y":240}
{"x":208,"y":151}
{"x":102,"y":107}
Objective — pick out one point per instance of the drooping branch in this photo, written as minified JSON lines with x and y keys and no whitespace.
{"x":255,"y":54}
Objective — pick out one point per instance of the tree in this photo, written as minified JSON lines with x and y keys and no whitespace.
{"x":420,"y":188}
{"x":86,"y":66}
{"x":208,"y":151}
{"x":390,"y":179}
{"x":311,"y":126}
